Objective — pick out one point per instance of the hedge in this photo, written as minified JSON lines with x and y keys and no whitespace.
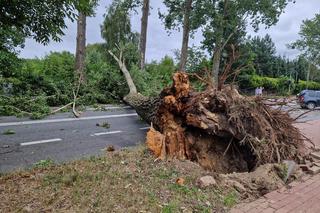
{"x":278,"y":85}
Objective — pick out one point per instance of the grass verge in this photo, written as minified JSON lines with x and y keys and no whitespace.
{"x":122,"y":181}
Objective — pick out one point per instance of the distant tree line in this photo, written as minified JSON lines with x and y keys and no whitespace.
{"x":223,"y":24}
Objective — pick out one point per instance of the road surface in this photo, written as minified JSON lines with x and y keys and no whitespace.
{"x":63,"y":138}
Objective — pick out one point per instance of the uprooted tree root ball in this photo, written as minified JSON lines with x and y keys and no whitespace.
{"x":221,"y":130}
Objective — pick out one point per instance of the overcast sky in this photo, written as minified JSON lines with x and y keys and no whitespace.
{"x":159,"y":43}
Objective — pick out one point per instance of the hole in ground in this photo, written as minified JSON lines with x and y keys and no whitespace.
{"x":221,"y":155}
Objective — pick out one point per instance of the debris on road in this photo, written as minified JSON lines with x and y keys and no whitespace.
{"x":104,"y":125}
{"x":9,"y":132}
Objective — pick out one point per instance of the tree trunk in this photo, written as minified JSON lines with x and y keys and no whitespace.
{"x":216,"y":65}
{"x":81,"y":45}
{"x":185,"y":37}
{"x":143,"y":34}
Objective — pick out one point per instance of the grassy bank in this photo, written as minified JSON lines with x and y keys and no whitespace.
{"x":121,"y":181}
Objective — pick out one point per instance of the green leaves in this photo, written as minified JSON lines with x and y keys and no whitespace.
{"x":309,"y":41}
{"x":116,"y":28}
{"x":86,"y":6}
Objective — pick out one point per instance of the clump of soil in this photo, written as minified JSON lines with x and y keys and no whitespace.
{"x":220,"y":129}
{"x":264,"y":179}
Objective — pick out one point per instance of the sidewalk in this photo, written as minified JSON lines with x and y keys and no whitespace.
{"x":298,"y":197}
{"x":312,"y":130}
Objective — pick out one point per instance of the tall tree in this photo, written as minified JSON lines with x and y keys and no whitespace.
{"x":116,"y":27}
{"x":186,"y":14}
{"x":81,"y":45}
{"x":226,"y":18}
{"x":265,"y":55}
{"x":185,"y":36}
{"x":85,"y":8}
{"x":309,"y":42}
{"x":143,"y":34}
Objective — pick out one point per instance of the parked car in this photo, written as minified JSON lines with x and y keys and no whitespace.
{"x":309,"y":99}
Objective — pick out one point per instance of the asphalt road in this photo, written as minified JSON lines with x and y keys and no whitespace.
{"x":63,"y":138}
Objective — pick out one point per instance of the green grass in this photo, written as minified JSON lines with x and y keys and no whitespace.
{"x":44,"y":163}
{"x":120,"y":181}
{"x":230,"y":199}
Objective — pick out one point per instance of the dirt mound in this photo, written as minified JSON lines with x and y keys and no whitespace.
{"x":220,"y":129}
{"x":264,"y":179}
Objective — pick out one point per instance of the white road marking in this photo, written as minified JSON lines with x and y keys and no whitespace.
{"x":106,"y":133}
{"x":41,"y":141}
{"x":66,"y":120}
{"x":148,"y":127}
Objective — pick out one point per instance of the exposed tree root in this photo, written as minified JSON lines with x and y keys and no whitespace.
{"x":221,"y":130}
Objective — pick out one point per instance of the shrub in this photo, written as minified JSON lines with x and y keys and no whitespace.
{"x":36,"y":107}
{"x":279,"y":85}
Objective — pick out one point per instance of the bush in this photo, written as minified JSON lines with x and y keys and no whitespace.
{"x":36,"y":107}
{"x":279,"y":85}
{"x":158,"y":76}
{"x":307,"y":85}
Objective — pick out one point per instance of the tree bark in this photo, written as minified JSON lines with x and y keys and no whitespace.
{"x":216,"y":65}
{"x":124,"y":70}
{"x":81,"y":45}
{"x":143,"y":34}
{"x":185,"y":36}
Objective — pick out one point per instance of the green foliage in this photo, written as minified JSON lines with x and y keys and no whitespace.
{"x":173,"y":17}
{"x":307,"y":85}
{"x":9,"y":64}
{"x":280,"y":85}
{"x":44,"y":163}
{"x":228,"y":18}
{"x":264,"y":50}
{"x":230,"y":199}
{"x":86,"y":6}
{"x":41,"y":20}
{"x":197,"y":59}
{"x":105,"y":82}
{"x":309,"y":39}
{"x":117,"y":15}
{"x":155,"y":77}
{"x":36,"y":107}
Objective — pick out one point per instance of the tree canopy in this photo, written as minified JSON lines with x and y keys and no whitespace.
{"x":309,"y":41}
{"x":116,"y":27}
{"x":40,"y":20}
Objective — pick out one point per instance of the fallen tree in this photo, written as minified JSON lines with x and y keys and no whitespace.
{"x":220,"y":129}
